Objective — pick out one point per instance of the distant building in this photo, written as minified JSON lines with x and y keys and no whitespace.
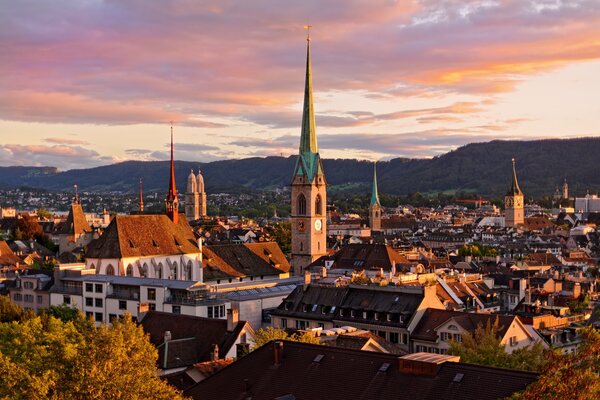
{"x":514,"y":202}
{"x":76,"y":231}
{"x":195,"y":197}
{"x":31,"y":291}
{"x":375,"y":205}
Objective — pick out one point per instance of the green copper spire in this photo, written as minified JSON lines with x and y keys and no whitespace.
{"x":375,"y":194}
{"x":308,"y":138}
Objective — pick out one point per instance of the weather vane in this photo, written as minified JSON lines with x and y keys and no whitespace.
{"x":307,"y":27}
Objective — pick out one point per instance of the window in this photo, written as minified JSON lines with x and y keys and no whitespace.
{"x":513,"y":341}
{"x":151,"y":294}
{"x":99,"y":317}
{"x":28,"y":285}
{"x":129,"y":270}
{"x":318,"y":205}
{"x":176,"y":309}
{"x":89,"y":287}
{"x":110,"y":270}
{"x":89,"y":302}
{"x":112,"y":317}
{"x":321,"y":325}
{"x":98,"y":302}
{"x":122,"y":305}
{"x":382,"y":334}
{"x":67,"y":299}
{"x":89,"y":314}
{"x":216,"y":311}
{"x":39,"y":299}
{"x":152,"y":306}
{"x":18,"y":297}
{"x":301,"y":324}
{"x":98,"y":288}
{"x":394,"y":337}
{"x":457,"y":337}
{"x":445,"y":336}
{"x":301,"y":206}
{"x":29,"y":298}
{"x":283,"y":324}
{"x":332,"y":310}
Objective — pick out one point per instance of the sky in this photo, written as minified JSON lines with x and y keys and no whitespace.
{"x":89,"y":82}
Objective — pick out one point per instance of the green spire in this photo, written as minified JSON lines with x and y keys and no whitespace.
{"x":308,"y":138}
{"x":375,"y":194}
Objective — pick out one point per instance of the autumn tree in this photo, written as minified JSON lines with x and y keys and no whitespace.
{"x":263,"y":336}
{"x":45,"y":358}
{"x":571,"y":376}
{"x":9,"y":311}
{"x":282,"y":232}
{"x":483,"y":347}
{"x":27,"y":228}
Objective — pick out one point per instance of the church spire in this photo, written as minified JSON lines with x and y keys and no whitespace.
{"x":375,"y":193}
{"x":141,"y":203}
{"x":514,"y":186}
{"x":308,"y":138}
{"x":172,"y":202}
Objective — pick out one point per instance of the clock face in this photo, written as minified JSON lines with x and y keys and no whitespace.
{"x":509,"y":202}
{"x":301,"y":226}
{"x":518,"y":202}
{"x":318,"y":224}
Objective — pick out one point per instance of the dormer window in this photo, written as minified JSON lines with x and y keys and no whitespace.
{"x":389,"y":317}
{"x":353,"y":313}
{"x":314,"y":307}
{"x":324,"y":310}
{"x":364,"y":314}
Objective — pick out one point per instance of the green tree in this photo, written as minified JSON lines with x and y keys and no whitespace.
{"x":282,"y":232}
{"x":571,"y":376}
{"x":45,"y":358}
{"x":263,"y":336}
{"x":63,"y":312}
{"x":42,"y":213}
{"x":483,"y":347}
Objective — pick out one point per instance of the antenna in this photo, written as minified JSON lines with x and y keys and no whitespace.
{"x":307,"y":27}
{"x":76,"y":194}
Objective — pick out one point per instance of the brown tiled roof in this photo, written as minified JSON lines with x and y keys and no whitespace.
{"x":7,"y":257}
{"x":240,"y":260}
{"x":208,"y":368}
{"x":201,"y":332}
{"x":319,"y":372}
{"x":433,"y":318}
{"x":398,"y":222}
{"x":76,"y":223}
{"x":367,"y":256}
{"x":358,"y":342}
{"x":142,"y":236}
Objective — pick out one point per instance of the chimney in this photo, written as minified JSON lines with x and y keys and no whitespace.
{"x":277,"y":352}
{"x":393,"y":268}
{"x":522,"y":287}
{"x":576,"y":290}
{"x":233,"y":317}
{"x":556,"y":275}
{"x":167,"y":336}
{"x":323,"y":272}
{"x":214,"y":352}
{"x":306,"y":279}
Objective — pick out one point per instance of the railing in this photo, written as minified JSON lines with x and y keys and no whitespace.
{"x":67,"y":290}
{"x":204,"y":301}
{"x":123,"y":295}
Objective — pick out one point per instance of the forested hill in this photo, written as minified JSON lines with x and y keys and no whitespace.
{"x":479,"y":168}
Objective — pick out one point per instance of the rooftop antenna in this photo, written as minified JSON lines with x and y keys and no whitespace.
{"x":307,"y":27}
{"x":76,"y":195}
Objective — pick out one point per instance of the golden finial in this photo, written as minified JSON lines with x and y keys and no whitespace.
{"x":307,"y":27}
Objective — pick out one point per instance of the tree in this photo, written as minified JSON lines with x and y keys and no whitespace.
{"x":27,"y":228}
{"x":9,"y":311}
{"x":43,"y":357}
{"x":282,"y":232}
{"x":42,"y":213}
{"x":63,"y":312}
{"x":483,"y":347}
{"x":263,"y":336}
{"x":571,"y":376}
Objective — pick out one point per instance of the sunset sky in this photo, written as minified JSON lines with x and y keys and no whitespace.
{"x":90,"y":82}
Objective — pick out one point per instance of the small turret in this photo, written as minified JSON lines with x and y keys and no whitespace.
{"x":191,"y":183}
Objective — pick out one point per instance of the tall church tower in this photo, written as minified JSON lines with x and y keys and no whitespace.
{"x":172,"y":201}
{"x":191,"y":198}
{"x":375,"y":206}
{"x":513,"y":202}
{"x":201,"y":195}
{"x":565,"y":191}
{"x":309,"y":194}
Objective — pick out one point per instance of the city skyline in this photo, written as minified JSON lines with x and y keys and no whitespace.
{"x":91,"y":83}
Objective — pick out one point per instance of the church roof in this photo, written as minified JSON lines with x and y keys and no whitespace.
{"x":76,"y":223}
{"x":514,"y":190}
{"x":142,"y":236}
{"x":375,"y":193}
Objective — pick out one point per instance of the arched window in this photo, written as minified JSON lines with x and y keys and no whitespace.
{"x":301,"y":246}
{"x":158,"y":271}
{"x":129,"y":270}
{"x":110,"y":270}
{"x":318,"y":205}
{"x":301,"y":205}
{"x":376,"y":214}
{"x":187,"y":271}
{"x":143,"y":270}
{"x":173,"y":270}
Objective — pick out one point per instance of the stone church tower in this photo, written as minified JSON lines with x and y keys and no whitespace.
{"x":375,"y":206}
{"x":514,"y":202}
{"x":195,"y":197}
{"x":309,"y":192}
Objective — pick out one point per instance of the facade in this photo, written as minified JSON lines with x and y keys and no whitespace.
{"x":195,"y":197}
{"x":309,"y":189}
{"x":76,"y":231}
{"x":375,"y":206}
{"x":31,"y":291}
{"x":514,"y":202}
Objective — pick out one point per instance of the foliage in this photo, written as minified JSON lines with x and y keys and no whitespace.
{"x":263,"y":336}
{"x":483,"y":347}
{"x":282,"y":232}
{"x":10,"y":311}
{"x":477,"y":250}
{"x":63,"y":312}
{"x":571,"y":376}
{"x":578,"y":306}
{"x":360,"y":278}
{"x":27,"y":228}
{"x":47,"y":265}
{"x":46,"y":358}
{"x":42,"y":213}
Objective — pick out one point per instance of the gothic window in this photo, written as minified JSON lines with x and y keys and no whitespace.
{"x":187,"y":271}
{"x":110,"y":270}
{"x":129,"y":270}
{"x":376,"y":214}
{"x":318,"y":205}
{"x":158,"y":271}
{"x":301,"y":204}
{"x":143,"y":270}
{"x":173,"y":271}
